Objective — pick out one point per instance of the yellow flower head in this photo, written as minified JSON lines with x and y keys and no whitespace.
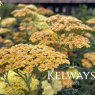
{"x":17,"y":83}
{"x":26,"y":26}
{"x":45,"y":37}
{"x":44,"y":11}
{"x":88,"y":60}
{"x":27,"y":57}
{"x":7,"y":22}
{"x":24,"y":12}
{"x":4,"y":31}
{"x":67,"y":23}
{"x":74,"y":41}
{"x":47,"y":88}
{"x":91,"y":21}
{"x":29,"y":6}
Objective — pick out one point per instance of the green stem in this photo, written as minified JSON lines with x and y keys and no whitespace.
{"x":29,"y":88}
{"x":27,"y":80}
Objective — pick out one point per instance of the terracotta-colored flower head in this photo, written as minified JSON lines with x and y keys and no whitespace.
{"x":24,"y":12}
{"x":44,"y":11}
{"x":73,"y":41}
{"x":67,"y":24}
{"x":27,"y":58}
{"x":88,"y":60}
{"x":45,"y":37}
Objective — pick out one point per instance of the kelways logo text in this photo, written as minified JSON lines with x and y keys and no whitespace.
{"x":70,"y":75}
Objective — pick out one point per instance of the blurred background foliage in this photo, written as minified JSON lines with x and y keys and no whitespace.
{"x":82,"y":11}
{"x":6,"y":9}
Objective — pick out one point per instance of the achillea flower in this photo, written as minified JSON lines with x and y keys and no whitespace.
{"x":47,"y":88}
{"x":70,"y":27}
{"x":40,"y":18}
{"x":29,"y":6}
{"x":91,"y":21}
{"x":27,"y":19}
{"x":67,"y":24}
{"x":27,"y":57}
{"x":51,"y":88}
{"x":4,"y":31}
{"x":16,"y":37}
{"x":2,"y":86}
{"x":35,"y":25}
{"x":88,"y":35}
{"x":45,"y":37}
{"x":72,"y":19}
{"x":86,"y":63}
{"x":20,"y":37}
{"x":44,"y":11}
{"x":17,"y":83}
{"x":54,"y":19}
{"x":26,"y":26}
{"x":88,"y":60}
{"x":74,"y":41}
{"x":7,"y":22}
{"x":8,"y":42}
{"x":34,"y":84}
{"x":56,"y":85}
{"x":79,"y":27}
{"x":21,"y":6}
{"x":61,"y":19}
{"x":58,"y":27}
{"x":66,"y":83}
{"x":41,"y":25}
{"x":24,"y":12}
